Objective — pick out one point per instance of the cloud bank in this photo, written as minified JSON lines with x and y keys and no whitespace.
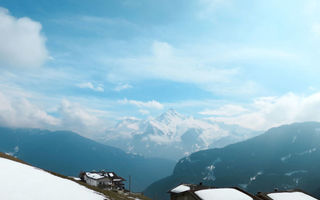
{"x":20,"y":112}
{"x":267,"y":112}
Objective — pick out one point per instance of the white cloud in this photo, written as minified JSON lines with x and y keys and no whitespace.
{"x":148,"y":104}
{"x":22,"y":110}
{"x":19,"y":112}
{"x":22,"y":44}
{"x":267,"y":112}
{"x":79,"y":119}
{"x":144,"y":112}
{"x":226,"y":110}
{"x":89,"y":85}
{"x":121,"y":87}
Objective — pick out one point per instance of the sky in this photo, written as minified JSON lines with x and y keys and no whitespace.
{"x":83,"y":65}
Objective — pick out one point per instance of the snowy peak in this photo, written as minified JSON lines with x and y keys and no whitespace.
{"x":128,"y":123}
{"x":170,"y":116}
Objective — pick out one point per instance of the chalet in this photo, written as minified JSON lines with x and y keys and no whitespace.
{"x":107,"y":180}
{"x":285,"y":195}
{"x":200,"y":192}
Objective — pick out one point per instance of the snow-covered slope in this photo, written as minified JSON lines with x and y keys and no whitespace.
{"x":172,"y":135}
{"x":20,"y":181}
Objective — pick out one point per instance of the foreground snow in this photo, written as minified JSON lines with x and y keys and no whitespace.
{"x":290,"y":196}
{"x":222,"y":193}
{"x":19,"y":181}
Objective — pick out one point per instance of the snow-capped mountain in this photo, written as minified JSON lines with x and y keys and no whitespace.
{"x":172,"y":135}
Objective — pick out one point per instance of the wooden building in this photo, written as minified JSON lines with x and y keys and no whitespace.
{"x":107,"y":180}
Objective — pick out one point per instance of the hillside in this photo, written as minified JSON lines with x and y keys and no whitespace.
{"x":21,"y":181}
{"x":68,"y":153}
{"x":64,"y":193}
{"x":284,"y":157}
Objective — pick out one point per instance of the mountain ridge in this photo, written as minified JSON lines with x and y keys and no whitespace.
{"x":283,"y":157}
{"x":68,"y":153}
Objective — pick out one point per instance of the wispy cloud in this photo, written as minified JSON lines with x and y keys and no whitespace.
{"x":89,"y":85}
{"x":165,"y":62}
{"x":141,"y":104}
{"x":121,"y":87}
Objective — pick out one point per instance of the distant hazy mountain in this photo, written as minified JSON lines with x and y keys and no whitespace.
{"x":283,"y":157}
{"x":172,"y":135}
{"x":68,"y":153}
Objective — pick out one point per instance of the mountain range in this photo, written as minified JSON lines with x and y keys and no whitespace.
{"x":68,"y":153}
{"x":284,"y":157}
{"x":172,"y":135}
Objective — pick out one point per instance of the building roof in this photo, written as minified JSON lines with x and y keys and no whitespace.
{"x":202,"y":192}
{"x":180,"y":188}
{"x":222,"y":194}
{"x":94,"y":175}
{"x":286,"y":195}
{"x":100,"y":175}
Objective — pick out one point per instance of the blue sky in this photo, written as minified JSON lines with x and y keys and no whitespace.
{"x":70,"y":64}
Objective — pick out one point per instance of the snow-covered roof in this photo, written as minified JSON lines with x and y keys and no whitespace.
{"x":180,"y":189}
{"x":222,"y":193}
{"x":290,"y":196}
{"x":94,"y":175}
{"x":21,"y":181}
{"x":102,"y":174}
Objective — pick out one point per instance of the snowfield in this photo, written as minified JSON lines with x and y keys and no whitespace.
{"x":19,"y":181}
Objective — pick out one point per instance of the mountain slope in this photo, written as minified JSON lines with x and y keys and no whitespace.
{"x":68,"y":153}
{"x":21,"y":181}
{"x":172,"y":135}
{"x":283,"y":157}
